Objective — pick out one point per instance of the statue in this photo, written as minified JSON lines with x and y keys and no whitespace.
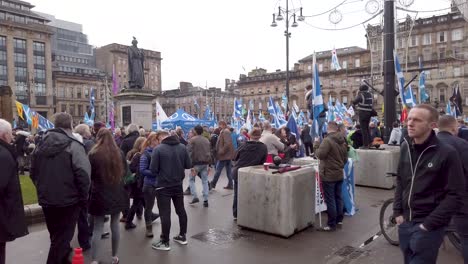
{"x":136,"y":74}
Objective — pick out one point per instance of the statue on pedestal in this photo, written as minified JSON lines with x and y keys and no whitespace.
{"x":136,"y":73}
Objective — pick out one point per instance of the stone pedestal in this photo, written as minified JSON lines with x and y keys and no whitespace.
{"x":280,"y":204}
{"x":135,"y":106}
{"x":373,"y":166}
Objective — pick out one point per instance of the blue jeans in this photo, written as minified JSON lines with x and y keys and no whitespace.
{"x":461,"y":224}
{"x":419,"y":246}
{"x":219,"y":168}
{"x":202,"y":171}
{"x":334,"y":200}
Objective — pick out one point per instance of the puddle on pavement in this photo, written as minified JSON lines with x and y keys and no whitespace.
{"x":219,"y":236}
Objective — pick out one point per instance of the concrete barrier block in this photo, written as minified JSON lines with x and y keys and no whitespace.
{"x":280,"y":204}
{"x":34,"y":214}
{"x":373,"y":166}
{"x":305,"y":161}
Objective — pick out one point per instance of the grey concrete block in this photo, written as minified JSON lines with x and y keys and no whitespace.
{"x":280,"y":204}
{"x":34,"y":214}
{"x":373,"y":166}
{"x":305,"y":161}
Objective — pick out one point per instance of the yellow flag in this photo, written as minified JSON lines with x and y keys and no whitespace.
{"x":35,"y":121}
{"x":19,"y":108}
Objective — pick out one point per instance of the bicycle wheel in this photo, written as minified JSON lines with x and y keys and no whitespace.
{"x":455,"y":239}
{"x":388,"y":225}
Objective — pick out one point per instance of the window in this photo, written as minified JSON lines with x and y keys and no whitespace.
{"x":456,"y":72}
{"x":80,"y":110}
{"x":345,"y":64}
{"x":309,"y":68}
{"x":72,"y":94}
{"x":39,"y":60}
{"x":441,"y":37}
{"x":457,"y":34}
{"x":320,"y":67}
{"x":344,"y":83}
{"x":40,"y":89}
{"x":259,"y":105}
{"x":357,"y":63}
{"x":442,"y":73}
{"x":40,"y":75}
{"x":86,"y":92}
{"x":61,"y":93}
{"x":19,"y":43}
{"x":21,"y":88}
{"x":344,"y":99}
{"x":442,"y":95}
{"x":20,"y":72}
{"x":427,"y":39}
{"x":441,"y":53}
{"x":63,"y":108}
{"x":414,"y":41}
{"x":38,"y":46}
{"x":78,"y":93}
{"x":3,"y":70}
{"x":20,"y":58}
{"x":2,"y":41}
{"x":72,"y":110}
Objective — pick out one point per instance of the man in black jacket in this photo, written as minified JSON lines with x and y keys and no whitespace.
{"x":429,"y":187}
{"x":12,"y":220}
{"x":169,"y":161}
{"x":60,"y":170}
{"x":130,"y":138}
{"x":252,"y":153}
{"x":448,"y":130}
{"x":364,"y":102}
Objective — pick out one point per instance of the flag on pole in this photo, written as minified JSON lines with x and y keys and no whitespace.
{"x":19,"y":108}
{"x":409,"y":97}
{"x":115,"y":87}
{"x":296,"y":107}
{"x":284,"y":101}
{"x":91,"y":103}
{"x":27,"y":114}
{"x":317,"y":105}
{"x":207,"y":115}
{"x":160,"y":115}
{"x":335,"y":62}
{"x":400,"y":77}
{"x":260,"y":116}
{"x":423,"y":96}
{"x":448,"y":109}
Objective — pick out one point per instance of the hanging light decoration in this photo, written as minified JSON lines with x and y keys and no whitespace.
{"x":335,"y":16}
{"x":372,"y":7}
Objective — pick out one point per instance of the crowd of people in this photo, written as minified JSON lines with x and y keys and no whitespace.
{"x":86,"y":176}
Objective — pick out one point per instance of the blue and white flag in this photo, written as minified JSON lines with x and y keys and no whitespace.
{"x":279,"y":113}
{"x":284,"y":101}
{"x":87,"y":120}
{"x":92,"y":99}
{"x":348,"y":188}
{"x":335,"y":62}
{"x":45,"y":124}
{"x":423,"y":96}
{"x":28,"y":114}
{"x":301,"y":119}
{"x":251,"y":105}
{"x":237,"y":109}
{"x":296,"y":107}
{"x":331,"y":110}
{"x":292,"y":125}
{"x":261,"y":118}
{"x":409,"y":97}
{"x":400,"y":77}
{"x":449,"y":110}
{"x":207,"y":115}
{"x":317,"y":91}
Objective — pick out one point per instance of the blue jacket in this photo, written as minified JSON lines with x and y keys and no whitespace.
{"x":145,"y":171}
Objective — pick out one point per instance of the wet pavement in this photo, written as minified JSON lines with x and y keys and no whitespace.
{"x":214,"y":237}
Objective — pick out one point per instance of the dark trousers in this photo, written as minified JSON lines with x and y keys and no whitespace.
{"x":84,"y":232}
{"x":149,"y":194}
{"x":308,"y":148}
{"x":164,"y":197}
{"x":234,"y":204}
{"x":334,"y":202}
{"x":61,"y":223}
{"x":2,"y":252}
{"x":138,"y":203}
{"x":364,"y":120}
{"x":219,"y":168}
{"x":419,"y":246}
{"x":461,"y":224}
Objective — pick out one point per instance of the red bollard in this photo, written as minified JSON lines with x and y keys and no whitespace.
{"x":78,"y":256}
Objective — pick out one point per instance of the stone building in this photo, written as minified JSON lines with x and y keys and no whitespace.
{"x":220,"y":102}
{"x":440,"y":42}
{"x":25,"y":56}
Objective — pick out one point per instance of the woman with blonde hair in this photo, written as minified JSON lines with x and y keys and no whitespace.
{"x":149,"y":181}
{"x":108,"y":196}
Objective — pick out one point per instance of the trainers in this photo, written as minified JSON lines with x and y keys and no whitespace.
{"x":194,"y":201}
{"x":180,"y":239}
{"x":339,"y":225}
{"x":205,"y":204}
{"x":326,"y":229}
{"x":187,"y":191}
{"x":161,"y":245}
{"x":228,"y":188}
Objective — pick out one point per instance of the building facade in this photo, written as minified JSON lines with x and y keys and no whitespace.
{"x":440,"y":42}
{"x":115,"y":55}
{"x":25,"y":56}
{"x":220,"y":102}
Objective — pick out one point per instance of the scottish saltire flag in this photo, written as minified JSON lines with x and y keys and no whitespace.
{"x":161,"y":115}
{"x":260,"y":116}
{"x":115,"y":87}
{"x":348,"y":188}
{"x":317,"y":91}
{"x":284,"y":101}
{"x":423,"y":96}
{"x":409,"y":97}
{"x":27,"y":114}
{"x":87,"y":120}
{"x":335,"y":62}
{"x":294,"y":115}
{"x":251,"y":105}
{"x":45,"y":124}
{"x":279,"y":114}
{"x":331,"y":110}
{"x":92,"y":99}
{"x":237,"y":108}
{"x":301,"y":119}
{"x":351,"y":111}
{"x":448,"y":109}
{"x":292,"y":125}
{"x":296,"y":107}
{"x":400,"y":77}
{"x":272,"y":110}
{"x":195,"y":103}
{"x":207,"y":115}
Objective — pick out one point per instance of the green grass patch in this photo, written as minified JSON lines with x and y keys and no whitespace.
{"x":28,"y":190}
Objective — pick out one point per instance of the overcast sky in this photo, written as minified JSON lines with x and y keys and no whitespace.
{"x":206,"y":41}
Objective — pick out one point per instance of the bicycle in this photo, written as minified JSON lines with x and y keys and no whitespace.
{"x":389,"y":227}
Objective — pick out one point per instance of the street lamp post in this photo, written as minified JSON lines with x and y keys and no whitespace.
{"x":288,"y":14}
